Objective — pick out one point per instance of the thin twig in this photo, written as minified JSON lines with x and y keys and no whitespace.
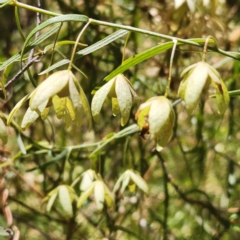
{"x":19,"y":74}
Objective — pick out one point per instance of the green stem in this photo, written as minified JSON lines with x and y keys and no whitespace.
{"x":206,"y":45}
{"x":129,"y":28}
{"x":125,"y":45}
{"x":76,"y":44}
{"x":34,"y":9}
{"x":170,"y":67}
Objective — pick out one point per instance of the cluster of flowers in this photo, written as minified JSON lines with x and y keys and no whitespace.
{"x":91,"y":183}
{"x":154,"y":117}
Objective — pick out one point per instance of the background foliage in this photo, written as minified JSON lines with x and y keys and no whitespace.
{"x":193,"y":183}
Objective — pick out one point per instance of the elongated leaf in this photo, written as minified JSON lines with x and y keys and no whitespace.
{"x":35,"y":42}
{"x":45,"y":35}
{"x":54,"y":66}
{"x":11,"y":60}
{"x":65,"y":200}
{"x":100,"y":44}
{"x":53,"y":160}
{"x":57,"y":19}
{"x":51,"y":201}
{"x":94,"y":47}
{"x":132,"y":61}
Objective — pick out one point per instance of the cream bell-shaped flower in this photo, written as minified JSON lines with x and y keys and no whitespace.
{"x":198,"y":77}
{"x":85,"y":179}
{"x":120,"y":90}
{"x":130,"y":179}
{"x":61,"y":90}
{"x":156,"y":117}
{"x":101,"y":195}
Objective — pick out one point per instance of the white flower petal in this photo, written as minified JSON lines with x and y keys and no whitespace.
{"x":99,"y":194}
{"x":50,"y":87}
{"x":30,"y":116}
{"x":158,"y":114}
{"x":99,"y":97}
{"x":77,"y":104}
{"x":124,"y":97}
{"x":195,"y":84}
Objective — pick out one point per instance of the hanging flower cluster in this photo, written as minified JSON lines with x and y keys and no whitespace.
{"x":60,"y":90}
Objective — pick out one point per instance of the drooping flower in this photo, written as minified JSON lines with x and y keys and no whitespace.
{"x":120,"y":90}
{"x":64,"y":196}
{"x":61,"y":90}
{"x":130,"y":179}
{"x":85,"y":179}
{"x":198,"y":77}
{"x":101,"y":194}
{"x":156,"y":117}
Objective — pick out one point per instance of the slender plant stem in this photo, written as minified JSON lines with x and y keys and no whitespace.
{"x":76,"y":44}
{"x":133,"y":29}
{"x":206,"y":45}
{"x":34,"y":9}
{"x":170,"y":67}
{"x":125,"y":45}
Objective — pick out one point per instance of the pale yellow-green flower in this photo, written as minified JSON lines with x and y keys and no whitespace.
{"x":156,"y":117}
{"x":198,"y":77}
{"x":101,"y":194}
{"x":85,"y":179}
{"x":120,"y":90}
{"x":61,"y":90}
{"x":130,"y":179}
{"x":62,"y":196}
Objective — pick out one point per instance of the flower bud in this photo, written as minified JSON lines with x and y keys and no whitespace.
{"x":156,"y":117}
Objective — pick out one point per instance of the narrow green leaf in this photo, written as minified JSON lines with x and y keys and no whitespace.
{"x":11,"y":60}
{"x":53,"y":160}
{"x":45,"y":35}
{"x":100,"y":44}
{"x":54,"y":66}
{"x":138,"y":58}
{"x":53,"y":20}
{"x":51,"y":201}
{"x":65,"y":200}
{"x":94,"y":47}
